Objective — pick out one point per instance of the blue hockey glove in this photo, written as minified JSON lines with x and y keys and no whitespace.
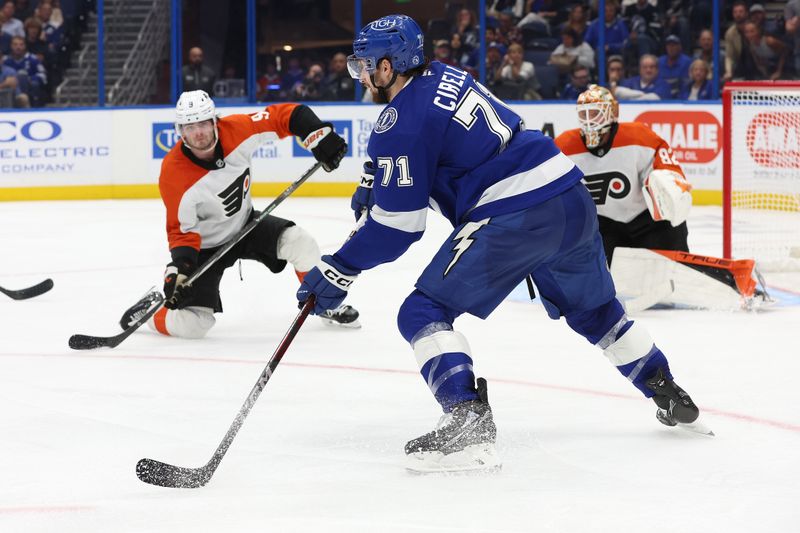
{"x":329,"y":282}
{"x":363,"y":198}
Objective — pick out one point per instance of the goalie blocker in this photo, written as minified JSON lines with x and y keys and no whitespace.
{"x":644,"y":278}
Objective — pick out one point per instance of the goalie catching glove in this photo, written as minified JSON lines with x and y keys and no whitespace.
{"x":329,"y":282}
{"x":667,"y":195}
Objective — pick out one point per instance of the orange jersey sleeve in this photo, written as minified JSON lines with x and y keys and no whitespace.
{"x":178,"y":174}
{"x":272,"y":119}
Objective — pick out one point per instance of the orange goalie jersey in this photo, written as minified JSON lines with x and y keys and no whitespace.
{"x":615,"y":176}
{"x":209,"y":201}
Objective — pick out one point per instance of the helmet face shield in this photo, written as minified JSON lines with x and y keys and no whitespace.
{"x":187,"y":129}
{"x":595,"y":119}
{"x":357,"y":65}
{"x":594,"y":116}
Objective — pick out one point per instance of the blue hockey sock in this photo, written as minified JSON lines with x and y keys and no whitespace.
{"x":626,"y":343}
{"x":642,"y":369}
{"x":445,"y":364}
{"x":450,"y":379}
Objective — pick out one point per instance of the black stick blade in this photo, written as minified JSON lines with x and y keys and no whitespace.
{"x":164,"y":475}
{"x":89,"y":342}
{"x":30,"y":292}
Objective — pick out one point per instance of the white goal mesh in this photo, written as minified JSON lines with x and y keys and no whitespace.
{"x":762,"y":196}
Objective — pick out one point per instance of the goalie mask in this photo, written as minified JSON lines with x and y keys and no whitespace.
{"x":194,"y":107}
{"x":597,"y":110}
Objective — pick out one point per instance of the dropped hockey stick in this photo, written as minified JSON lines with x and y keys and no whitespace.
{"x":89,"y":342}
{"x":166,"y":475}
{"x":30,"y":292}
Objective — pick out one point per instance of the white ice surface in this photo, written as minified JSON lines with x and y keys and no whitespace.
{"x":322,"y":449}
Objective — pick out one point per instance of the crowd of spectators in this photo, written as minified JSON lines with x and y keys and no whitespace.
{"x":654,"y":49}
{"x":32,"y":45}
{"x":546,"y":49}
{"x":307,"y":79}
{"x":293,"y":78}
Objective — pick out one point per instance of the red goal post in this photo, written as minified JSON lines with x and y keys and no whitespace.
{"x":761,"y":172}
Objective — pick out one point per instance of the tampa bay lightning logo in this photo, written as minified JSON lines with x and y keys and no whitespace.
{"x":386,"y":120}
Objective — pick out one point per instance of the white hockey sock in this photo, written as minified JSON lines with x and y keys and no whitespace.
{"x":299,"y":248}
{"x":189,"y":323}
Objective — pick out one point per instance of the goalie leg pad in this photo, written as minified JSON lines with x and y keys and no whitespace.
{"x":189,"y":323}
{"x":694,"y":280}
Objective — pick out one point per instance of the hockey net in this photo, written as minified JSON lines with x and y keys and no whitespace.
{"x":761,"y":183}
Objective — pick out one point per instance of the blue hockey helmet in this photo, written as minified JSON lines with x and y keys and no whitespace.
{"x":395,"y":37}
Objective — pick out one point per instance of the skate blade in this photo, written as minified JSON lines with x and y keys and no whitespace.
{"x":697,"y":427}
{"x":475,"y":458}
{"x":355,"y":324}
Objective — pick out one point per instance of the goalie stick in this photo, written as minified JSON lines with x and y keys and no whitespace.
{"x":89,"y":342}
{"x":30,"y":292}
{"x":165,"y":475}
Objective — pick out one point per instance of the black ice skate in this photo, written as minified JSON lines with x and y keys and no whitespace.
{"x":463,"y":440}
{"x":140,"y":308}
{"x":344,"y":316}
{"x":675,"y":406}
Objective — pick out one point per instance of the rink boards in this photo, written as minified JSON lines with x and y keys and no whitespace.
{"x":51,"y":154}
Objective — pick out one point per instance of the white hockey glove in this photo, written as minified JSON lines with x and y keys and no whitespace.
{"x":667,"y":195}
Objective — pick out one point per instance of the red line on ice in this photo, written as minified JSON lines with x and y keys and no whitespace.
{"x":562,"y":388}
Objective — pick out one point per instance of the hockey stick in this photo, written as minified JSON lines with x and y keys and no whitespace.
{"x":30,"y":292}
{"x":89,"y":342}
{"x":166,"y":475}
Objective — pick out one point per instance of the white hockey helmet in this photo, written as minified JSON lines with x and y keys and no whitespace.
{"x":597,"y":111}
{"x":193,"y":107}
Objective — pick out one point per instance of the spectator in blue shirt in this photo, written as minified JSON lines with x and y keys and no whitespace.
{"x":648,"y":81}
{"x":9,"y":89}
{"x":293,"y":75}
{"x":30,"y":71}
{"x":673,"y":67}
{"x":5,"y":40}
{"x":699,"y":87}
{"x":579,"y":82}
{"x":616,"y":30}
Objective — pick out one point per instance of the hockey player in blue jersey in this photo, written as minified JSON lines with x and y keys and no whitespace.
{"x":518,"y":208}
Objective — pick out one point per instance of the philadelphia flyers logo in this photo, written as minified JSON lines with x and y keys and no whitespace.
{"x":233,"y":196}
{"x":607,"y":184}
